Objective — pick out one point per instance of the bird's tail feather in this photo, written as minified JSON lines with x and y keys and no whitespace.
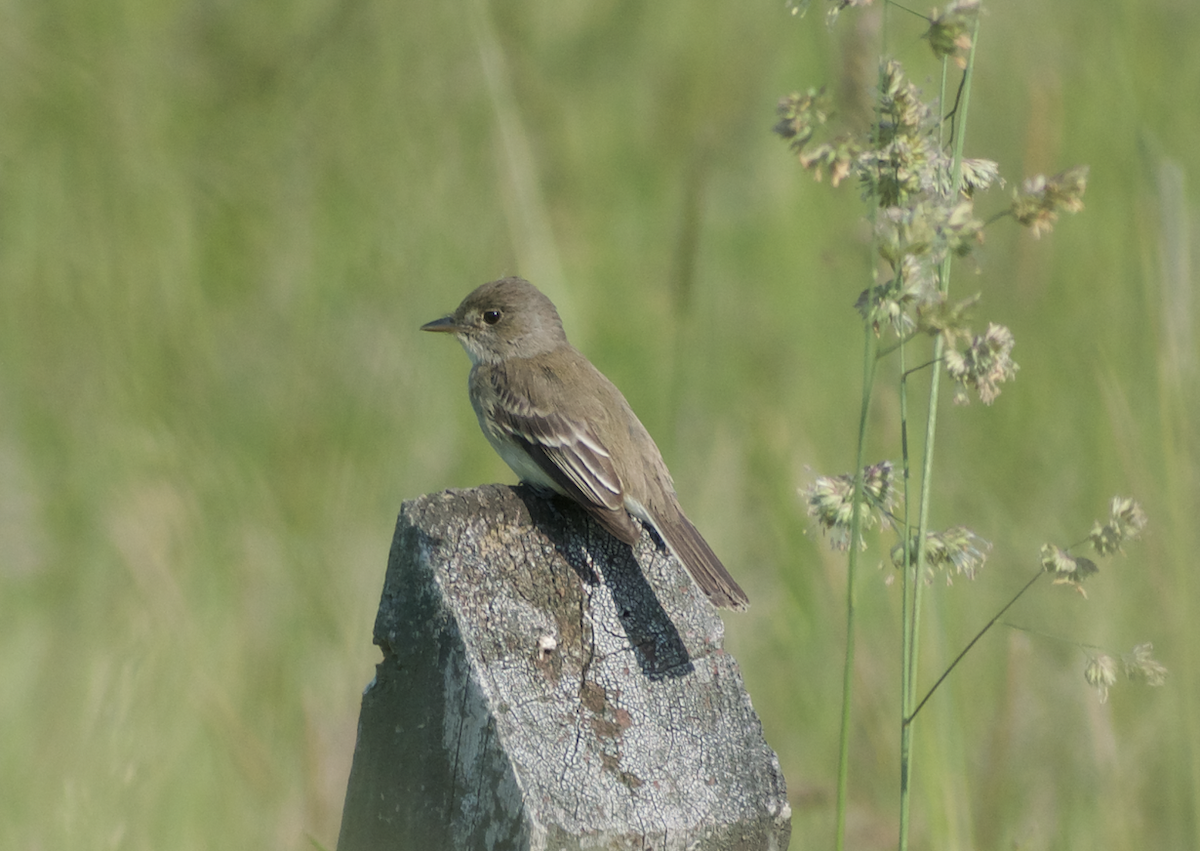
{"x":688,"y":545}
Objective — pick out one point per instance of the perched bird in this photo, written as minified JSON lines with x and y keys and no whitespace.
{"x":560,"y":424}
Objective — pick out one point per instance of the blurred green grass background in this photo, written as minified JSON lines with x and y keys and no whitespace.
{"x":222,"y":223}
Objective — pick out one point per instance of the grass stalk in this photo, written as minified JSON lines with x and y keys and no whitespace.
{"x":870,"y":360}
{"x":914,"y":569}
{"x":908,"y":719}
{"x":908,"y":587}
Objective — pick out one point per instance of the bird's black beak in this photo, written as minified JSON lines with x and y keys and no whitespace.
{"x":445,"y":324}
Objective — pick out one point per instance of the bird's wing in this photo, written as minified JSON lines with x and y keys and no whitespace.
{"x":569,"y":451}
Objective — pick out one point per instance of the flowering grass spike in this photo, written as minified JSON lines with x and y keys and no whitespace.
{"x":957,"y":550}
{"x":1101,"y":674}
{"x":1138,"y":665}
{"x":1040,"y":199}
{"x":1125,"y":523}
{"x":830,"y":501}
{"x":1126,"y":520}
{"x":984,"y":364}
{"x":949,"y":33}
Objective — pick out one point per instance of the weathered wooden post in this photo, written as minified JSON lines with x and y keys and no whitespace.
{"x":544,"y":686}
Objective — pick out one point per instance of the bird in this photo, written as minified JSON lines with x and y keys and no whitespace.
{"x":562,"y":426}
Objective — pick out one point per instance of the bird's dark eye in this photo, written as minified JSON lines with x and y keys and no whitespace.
{"x":491,"y":317}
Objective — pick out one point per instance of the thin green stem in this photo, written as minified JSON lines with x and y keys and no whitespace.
{"x":915,"y":569}
{"x":884,"y":351}
{"x":869,"y":361}
{"x":1050,"y":636}
{"x":906,"y":687}
{"x":996,"y":617}
{"x":906,"y":642}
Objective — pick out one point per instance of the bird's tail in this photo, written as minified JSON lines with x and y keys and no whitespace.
{"x":688,"y":545}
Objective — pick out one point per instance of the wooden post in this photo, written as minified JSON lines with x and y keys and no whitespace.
{"x":544,"y":686}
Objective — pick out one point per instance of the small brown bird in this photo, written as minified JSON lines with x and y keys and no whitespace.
{"x":560,"y":424}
